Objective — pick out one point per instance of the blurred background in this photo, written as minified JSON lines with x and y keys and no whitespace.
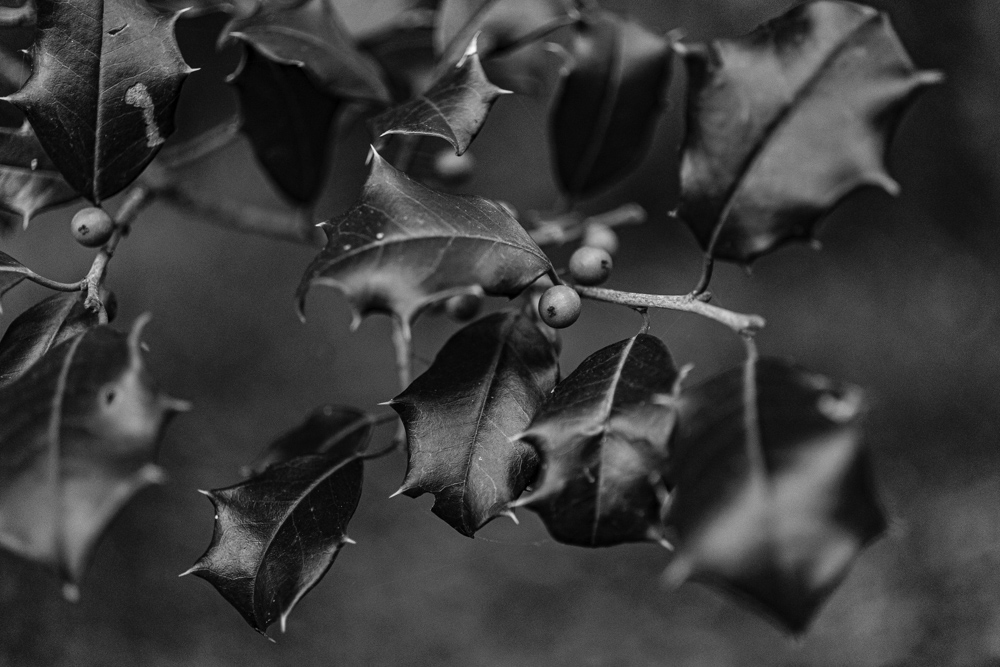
{"x":903,"y":299}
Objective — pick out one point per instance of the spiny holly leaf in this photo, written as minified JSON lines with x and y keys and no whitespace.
{"x":611,"y":95}
{"x":483,"y":387}
{"x":78,"y":434}
{"x":29,"y":182}
{"x":602,"y":437}
{"x":309,"y":34}
{"x":278,"y":533}
{"x":773,"y":498}
{"x":104,"y":84}
{"x":45,"y":325}
{"x":404,"y":246}
{"x":499,"y":25}
{"x":328,"y":427}
{"x":788,"y":120}
{"x":454,"y":108}
{"x":288,"y":120}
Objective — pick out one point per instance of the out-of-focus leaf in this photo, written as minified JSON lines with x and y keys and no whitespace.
{"x":288,"y":120}
{"x":46,"y":325}
{"x":404,"y":246}
{"x":278,"y":533}
{"x":29,"y":182}
{"x":78,"y":434}
{"x":499,"y":24}
{"x":328,"y":427}
{"x":105,"y":79}
{"x":785,"y":122}
{"x":454,"y":108}
{"x":602,"y":437}
{"x":772,"y":495}
{"x":405,"y":50}
{"x":610,"y":97}
{"x":483,"y":387}
{"x":309,"y":34}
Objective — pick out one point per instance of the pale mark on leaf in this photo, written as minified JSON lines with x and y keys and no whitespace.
{"x":137,"y":96}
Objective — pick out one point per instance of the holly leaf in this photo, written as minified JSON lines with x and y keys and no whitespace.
{"x":29,"y":182}
{"x":45,"y":325}
{"x":309,"y":34}
{"x":328,"y":427}
{"x":773,"y":499}
{"x":454,"y":108}
{"x":404,"y":246}
{"x":602,"y":438}
{"x":278,"y":533}
{"x":105,"y":79}
{"x":288,"y":120}
{"x":788,"y":120}
{"x":483,"y":387}
{"x":78,"y":434}
{"x":499,"y":24}
{"x":610,"y":97}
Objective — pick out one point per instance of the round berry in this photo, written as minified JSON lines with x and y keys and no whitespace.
{"x":92,"y":227}
{"x":590,"y":266}
{"x":453,"y":169}
{"x":463,"y":307}
{"x":598,"y":235}
{"x":559,"y":306}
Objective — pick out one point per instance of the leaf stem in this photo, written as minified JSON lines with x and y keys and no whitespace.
{"x":706,"y":275}
{"x":242,"y":216}
{"x":738,"y":322}
{"x":539,"y":33}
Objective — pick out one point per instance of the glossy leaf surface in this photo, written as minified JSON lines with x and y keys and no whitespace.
{"x":78,"y":435}
{"x":454,"y":108}
{"x":336,"y":427}
{"x":785,"y":122}
{"x":105,"y":79}
{"x":483,"y":388}
{"x":309,"y":34}
{"x":288,"y":120}
{"x":609,"y":100}
{"x":29,"y":182}
{"x":45,"y":325}
{"x":602,"y":438}
{"x":772,"y":495}
{"x":278,"y":533}
{"x":404,"y":246}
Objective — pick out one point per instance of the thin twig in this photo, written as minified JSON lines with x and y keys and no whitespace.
{"x":539,"y":33}
{"x":739,"y":322}
{"x":137,"y":199}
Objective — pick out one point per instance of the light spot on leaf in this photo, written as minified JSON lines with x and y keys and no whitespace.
{"x":137,"y":96}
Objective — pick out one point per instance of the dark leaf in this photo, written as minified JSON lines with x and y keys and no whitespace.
{"x":499,"y":24}
{"x":289,"y":121}
{"x":46,"y":325}
{"x":105,"y":80}
{"x":602,"y":437}
{"x":405,"y":50}
{"x":785,"y":122}
{"x":328,"y":427}
{"x":29,"y":182}
{"x":309,"y":34}
{"x":773,"y":498}
{"x":404,"y":246}
{"x":278,"y":533}
{"x":483,"y":387}
{"x":610,"y":98}
{"x":454,"y":108}
{"x":78,"y":434}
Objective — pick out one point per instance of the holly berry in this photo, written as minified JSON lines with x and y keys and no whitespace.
{"x":463,"y":307}
{"x":598,"y":235}
{"x":559,"y":306}
{"x":590,"y":266}
{"x":92,"y":227}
